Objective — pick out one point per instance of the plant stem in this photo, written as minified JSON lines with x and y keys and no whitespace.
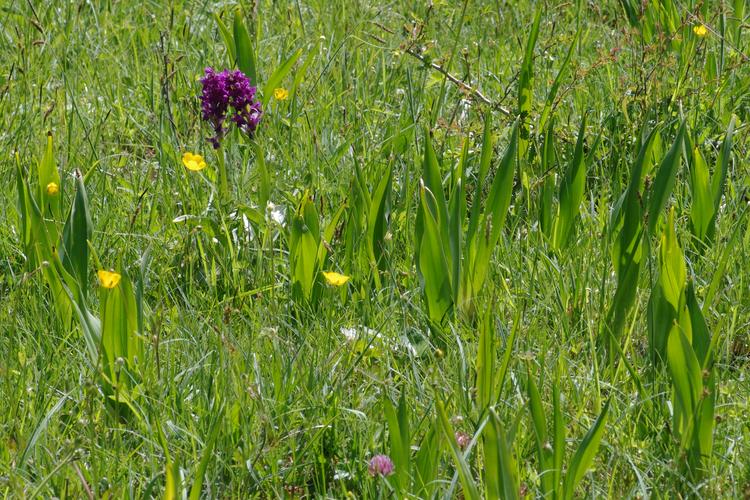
{"x":223,"y":181}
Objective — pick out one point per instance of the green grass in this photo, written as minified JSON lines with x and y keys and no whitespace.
{"x":255,"y":390}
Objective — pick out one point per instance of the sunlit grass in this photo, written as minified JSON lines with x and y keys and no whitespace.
{"x":275,"y":318}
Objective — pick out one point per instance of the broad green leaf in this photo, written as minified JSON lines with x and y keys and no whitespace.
{"x":91,"y":326}
{"x":706,"y":422}
{"x":546,"y":219}
{"x":484,"y":167}
{"x":427,"y":462}
{"x":543,"y":445}
{"x":501,"y":470}
{"x":41,"y":248}
{"x":672,"y":270}
{"x":664,"y":181}
{"x":74,"y":252}
{"x":433,"y":181}
{"x":498,"y":200}
{"x":227,"y":37}
{"x":304,"y":240}
{"x":405,"y":430}
{"x":493,"y":217}
{"x":701,"y":340}
{"x":400,"y":447}
{"x":661,"y":317}
{"x":436,"y":204}
{"x":686,"y":378}
{"x":571,"y":193}
{"x":435,"y":270}
{"x":584,"y":455}
{"x":492,"y":468}
{"x":701,"y":208}
{"x":50,"y":204}
{"x":718,"y":181}
{"x":120,"y":336}
{"x":245,"y":50}
{"x":172,"y":482}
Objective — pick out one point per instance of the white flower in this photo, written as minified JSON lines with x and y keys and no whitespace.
{"x":276,"y":213}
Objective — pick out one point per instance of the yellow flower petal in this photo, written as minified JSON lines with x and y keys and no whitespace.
{"x":52,"y":189}
{"x":334,"y":278}
{"x":700,"y":30}
{"x":193,"y":162}
{"x":280,"y":94}
{"x":108,"y":279}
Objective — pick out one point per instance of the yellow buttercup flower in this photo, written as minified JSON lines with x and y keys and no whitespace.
{"x":193,"y":162}
{"x":280,"y":94}
{"x":700,"y":30}
{"x":334,"y":278}
{"x":108,"y":279}
{"x":52,"y":189}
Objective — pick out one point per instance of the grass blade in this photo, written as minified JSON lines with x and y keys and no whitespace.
{"x":470,"y":489}
{"x":278,"y":76}
{"x":526,"y":85}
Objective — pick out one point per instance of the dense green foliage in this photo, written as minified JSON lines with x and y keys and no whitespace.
{"x":541,"y":209}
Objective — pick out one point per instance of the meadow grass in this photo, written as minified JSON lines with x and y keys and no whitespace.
{"x":253,"y":381}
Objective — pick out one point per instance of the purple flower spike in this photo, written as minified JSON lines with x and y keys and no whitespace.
{"x":222,"y":91}
{"x":214,"y":102}
{"x":380,"y":465}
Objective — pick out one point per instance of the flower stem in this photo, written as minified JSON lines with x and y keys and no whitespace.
{"x":223,"y":181}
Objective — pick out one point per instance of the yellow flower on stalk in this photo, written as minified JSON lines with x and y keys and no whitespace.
{"x":280,"y":94}
{"x":334,"y":278}
{"x":52,"y":189}
{"x":700,"y":30}
{"x":193,"y":162}
{"x":108,"y":279}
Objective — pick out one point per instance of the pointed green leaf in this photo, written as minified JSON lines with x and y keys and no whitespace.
{"x":227,"y":37}
{"x":571,"y":193}
{"x":672,"y":270}
{"x":584,"y":455}
{"x":74,"y":252}
{"x":501,"y":471}
{"x":686,"y":378}
{"x":245,"y":50}
{"x":719,"y":178}
{"x":664,"y":181}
